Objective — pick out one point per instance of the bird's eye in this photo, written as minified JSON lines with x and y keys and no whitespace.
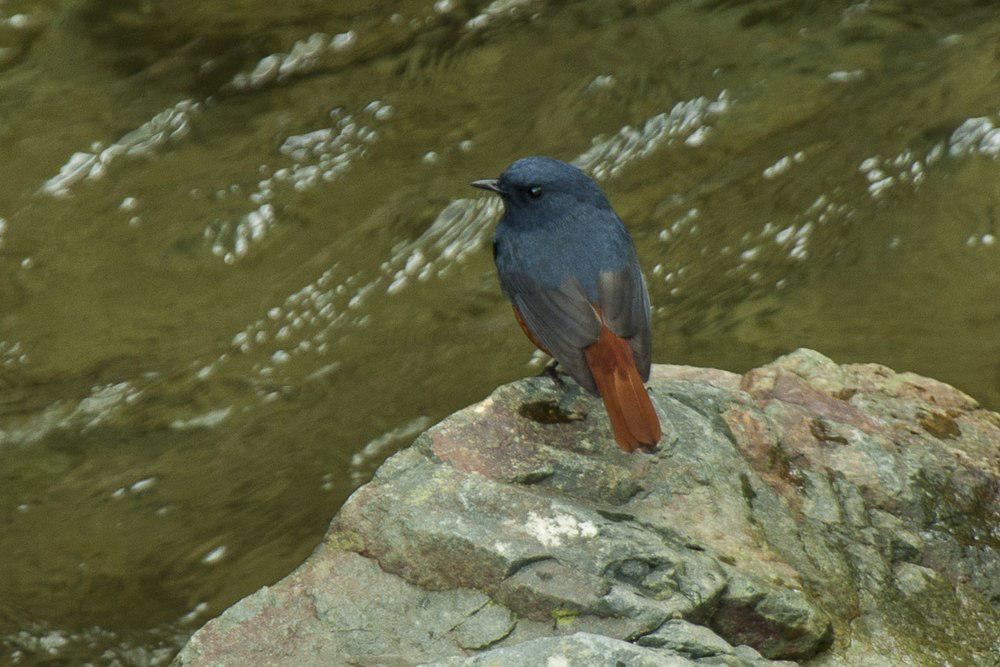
{"x":535,"y":192}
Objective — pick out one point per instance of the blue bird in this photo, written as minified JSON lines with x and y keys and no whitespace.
{"x":569,"y":267}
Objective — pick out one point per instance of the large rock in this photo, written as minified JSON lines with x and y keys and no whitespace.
{"x":803,"y":511}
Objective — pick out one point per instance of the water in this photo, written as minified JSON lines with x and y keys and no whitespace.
{"x":240,"y":264}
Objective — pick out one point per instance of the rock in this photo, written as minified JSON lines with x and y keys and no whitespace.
{"x":485,"y":627}
{"x":777,"y":622}
{"x":694,"y":641}
{"x":804,"y":511}
{"x":913,"y":579}
{"x":903,"y":544}
{"x":577,"y":649}
{"x":343,"y":605}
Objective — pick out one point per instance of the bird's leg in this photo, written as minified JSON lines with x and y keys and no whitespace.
{"x":551,"y":371}
{"x":567,"y":392}
{"x":569,"y":396}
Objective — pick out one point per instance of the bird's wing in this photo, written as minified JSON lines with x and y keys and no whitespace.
{"x":624,"y":302}
{"x":562,"y":320}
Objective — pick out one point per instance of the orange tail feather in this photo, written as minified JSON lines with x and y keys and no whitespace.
{"x":633,"y":417}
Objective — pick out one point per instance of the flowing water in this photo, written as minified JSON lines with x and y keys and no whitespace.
{"x":240,"y":264}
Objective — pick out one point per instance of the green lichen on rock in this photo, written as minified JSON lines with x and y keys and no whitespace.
{"x":564,"y":617}
{"x":805,"y":511}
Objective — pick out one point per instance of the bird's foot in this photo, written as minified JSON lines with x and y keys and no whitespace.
{"x":569,"y":403}
{"x":551,"y":371}
{"x":565,"y":408}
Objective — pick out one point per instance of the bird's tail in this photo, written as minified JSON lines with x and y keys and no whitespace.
{"x":633,"y":417}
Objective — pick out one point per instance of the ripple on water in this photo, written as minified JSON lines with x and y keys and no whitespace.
{"x":210,"y":419}
{"x":29,"y":645}
{"x":305,"y":56}
{"x":103,"y":402}
{"x":608,"y":155}
{"x":305,"y":322}
{"x":319,"y":156}
{"x":784,"y":164}
{"x":975,"y":136}
{"x":367,"y":458}
{"x":496,"y":10}
{"x":168,"y":126}
{"x":215,"y":555}
{"x":846,"y":76}
{"x":12,"y":354}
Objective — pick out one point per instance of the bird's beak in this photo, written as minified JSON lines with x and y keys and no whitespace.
{"x":491,"y":184}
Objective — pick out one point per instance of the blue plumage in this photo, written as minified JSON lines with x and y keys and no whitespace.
{"x":567,"y":230}
{"x":565,"y":259}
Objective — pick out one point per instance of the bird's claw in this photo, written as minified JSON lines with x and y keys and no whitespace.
{"x":551,"y":371}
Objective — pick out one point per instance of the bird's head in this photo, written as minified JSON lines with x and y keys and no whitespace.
{"x":541,"y":184}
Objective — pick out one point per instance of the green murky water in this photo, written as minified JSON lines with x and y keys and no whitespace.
{"x":240,"y":265}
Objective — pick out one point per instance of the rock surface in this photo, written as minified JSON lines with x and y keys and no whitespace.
{"x":805,"y":511}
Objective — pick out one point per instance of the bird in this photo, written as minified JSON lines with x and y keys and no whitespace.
{"x":570,"y":269}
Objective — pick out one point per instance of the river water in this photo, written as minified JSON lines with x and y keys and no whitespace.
{"x":240,"y":264}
